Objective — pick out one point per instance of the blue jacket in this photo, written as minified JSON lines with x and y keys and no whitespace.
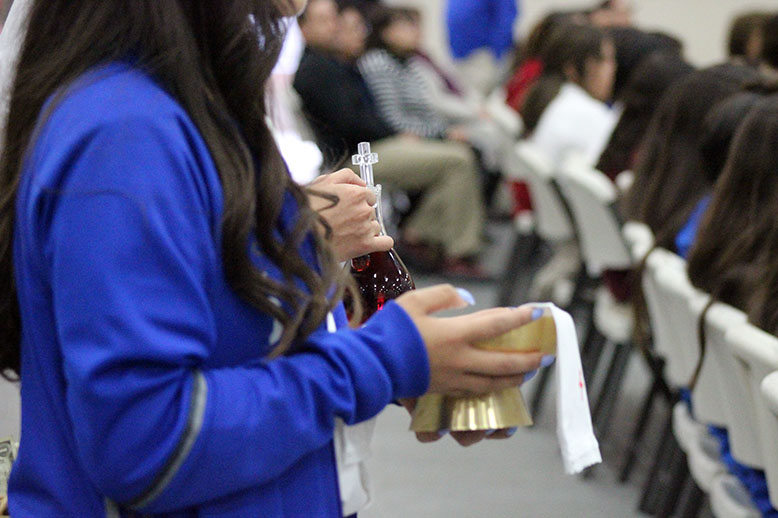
{"x":144,"y":383}
{"x":476,"y":24}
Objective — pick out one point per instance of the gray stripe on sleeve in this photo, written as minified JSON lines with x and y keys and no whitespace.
{"x":191,"y":432}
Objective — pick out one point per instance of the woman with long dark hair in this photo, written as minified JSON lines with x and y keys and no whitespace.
{"x":669,"y":176}
{"x":166,"y":295}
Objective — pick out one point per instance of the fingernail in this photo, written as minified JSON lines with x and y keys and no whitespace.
{"x":547,"y":360}
{"x":530,"y":375}
{"x":537,"y":313}
{"x":490,"y":432}
{"x":510,"y":432}
{"x":442,"y":432}
{"x":466,"y":296}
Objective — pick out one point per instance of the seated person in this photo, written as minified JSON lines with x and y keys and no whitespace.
{"x":459,"y":104}
{"x":669,"y":177}
{"x":770,"y":48}
{"x":450,"y":213}
{"x":640,"y":97}
{"x":746,"y":38}
{"x":718,"y":132}
{"x":581,"y":59}
{"x":733,"y":257}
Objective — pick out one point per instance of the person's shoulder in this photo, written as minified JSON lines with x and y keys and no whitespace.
{"x":576,"y":101}
{"x":112,"y":94}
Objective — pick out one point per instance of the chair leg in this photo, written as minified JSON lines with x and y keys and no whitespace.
{"x":693,"y":502}
{"x":677,"y":474}
{"x":647,"y":502}
{"x":592,"y":357}
{"x":524,"y":248}
{"x":606,"y":399}
{"x":640,"y":429}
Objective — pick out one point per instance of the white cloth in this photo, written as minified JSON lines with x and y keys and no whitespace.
{"x":574,"y":122}
{"x":352,"y":449}
{"x":577,"y":443}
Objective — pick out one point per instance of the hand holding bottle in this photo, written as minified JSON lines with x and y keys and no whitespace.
{"x":355,"y":230}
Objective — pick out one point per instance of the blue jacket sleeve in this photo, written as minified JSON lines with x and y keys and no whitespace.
{"x":130,"y":246}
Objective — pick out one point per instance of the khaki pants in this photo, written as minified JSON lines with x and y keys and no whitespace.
{"x":451,"y":210}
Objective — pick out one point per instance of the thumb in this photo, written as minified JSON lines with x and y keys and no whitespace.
{"x":431,"y":300}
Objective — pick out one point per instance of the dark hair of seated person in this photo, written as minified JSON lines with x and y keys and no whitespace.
{"x":633,"y":46}
{"x":734,"y":231}
{"x":742,"y":30}
{"x":770,"y":43}
{"x":669,"y":176}
{"x":640,"y":98}
{"x":539,"y":97}
{"x":572,"y":45}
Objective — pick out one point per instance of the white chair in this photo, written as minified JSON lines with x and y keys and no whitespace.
{"x":769,"y":429}
{"x":734,"y":396}
{"x":728,"y":499}
{"x":720,"y":397}
{"x":667,"y":292}
{"x":549,"y":221}
{"x":591,"y":196}
{"x":639,"y":239}
{"x":756,"y":353}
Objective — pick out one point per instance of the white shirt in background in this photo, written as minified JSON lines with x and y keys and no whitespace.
{"x":574,"y":122}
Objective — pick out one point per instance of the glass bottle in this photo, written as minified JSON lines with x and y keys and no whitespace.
{"x":380,"y":276}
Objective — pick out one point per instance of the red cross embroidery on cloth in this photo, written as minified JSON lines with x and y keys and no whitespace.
{"x":581,"y":383}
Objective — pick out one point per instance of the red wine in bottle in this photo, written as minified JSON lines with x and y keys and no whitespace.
{"x":381,"y":277}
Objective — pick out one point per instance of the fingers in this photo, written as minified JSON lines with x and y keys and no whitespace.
{"x":490,"y":323}
{"x":501,"y":366}
{"x":468,"y":438}
{"x":431,"y":300}
{"x":382,"y":244}
{"x":346,"y":176}
{"x":472,"y":384}
{"x":371,"y":197}
{"x":427,"y":437}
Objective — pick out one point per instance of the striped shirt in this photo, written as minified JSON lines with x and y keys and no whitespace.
{"x":400,"y":95}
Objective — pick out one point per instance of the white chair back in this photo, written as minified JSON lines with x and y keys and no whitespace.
{"x":552,"y":222}
{"x":770,"y":399}
{"x":590,"y":196}
{"x":732,"y":396}
{"x":668,"y":291}
{"x":639,"y":239}
{"x":756,"y":355}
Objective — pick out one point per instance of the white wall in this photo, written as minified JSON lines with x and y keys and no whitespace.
{"x":701,"y":24}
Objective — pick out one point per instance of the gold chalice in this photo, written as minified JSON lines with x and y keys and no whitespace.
{"x":496,"y":410}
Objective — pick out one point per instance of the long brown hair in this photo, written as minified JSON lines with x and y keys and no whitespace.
{"x":733,"y":234}
{"x":213,"y":57}
{"x":669,"y":177}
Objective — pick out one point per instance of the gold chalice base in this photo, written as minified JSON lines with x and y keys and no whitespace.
{"x":496,"y":410}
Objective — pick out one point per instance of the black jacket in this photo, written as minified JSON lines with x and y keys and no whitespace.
{"x":338,"y":104}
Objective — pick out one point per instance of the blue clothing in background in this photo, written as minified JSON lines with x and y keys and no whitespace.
{"x":685,"y":238}
{"x":144,"y":378}
{"x":476,"y":24}
{"x":752,"y":479}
